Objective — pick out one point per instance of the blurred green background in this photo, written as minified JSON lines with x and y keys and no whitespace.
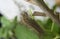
{"x":16,"y":30}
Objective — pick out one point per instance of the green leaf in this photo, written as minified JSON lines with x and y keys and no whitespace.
{"x":22,"y":32}
{"x":5,"y":22}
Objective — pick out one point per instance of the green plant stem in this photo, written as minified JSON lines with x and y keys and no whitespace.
{"x":52,"y":26}
{"x":30,"y":12}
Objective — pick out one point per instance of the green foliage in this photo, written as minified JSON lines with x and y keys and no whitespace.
{"x":23,"y":32}
{"x":52,"y":29}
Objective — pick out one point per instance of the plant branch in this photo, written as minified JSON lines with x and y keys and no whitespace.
{"x":25,"y":19}
{"x":48,"y":11}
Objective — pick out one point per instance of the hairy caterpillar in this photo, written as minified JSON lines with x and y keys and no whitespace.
{"x":31,"y":22}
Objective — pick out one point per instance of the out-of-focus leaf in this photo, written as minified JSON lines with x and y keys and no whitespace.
{"x":22,"y":32}
{"x":56,"y":28}
{"x":6,"y":27}
{"x":48,"y":24}
{"x":8,"y":24}
{"x":48,"y":34}
{"x":45,"y":25}
{"x":5,"y":22}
